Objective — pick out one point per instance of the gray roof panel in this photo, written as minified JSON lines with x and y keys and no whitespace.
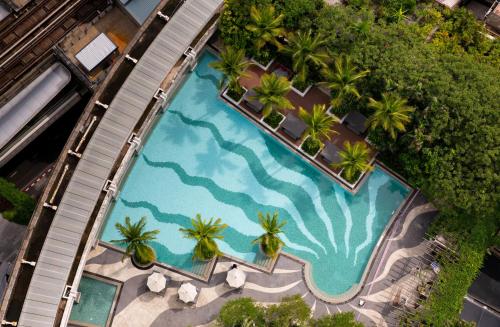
{"x":83,"y":191}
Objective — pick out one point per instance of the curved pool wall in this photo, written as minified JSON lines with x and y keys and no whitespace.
{"x":204,"y":157}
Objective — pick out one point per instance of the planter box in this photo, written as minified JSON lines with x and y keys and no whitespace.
{"x":266,"y":67}
{"x":270,"y":127}
{"x":233,"y":101}
{"x":351,"y":185}
{"x":307,"y":154}
{"x":302,"y":93}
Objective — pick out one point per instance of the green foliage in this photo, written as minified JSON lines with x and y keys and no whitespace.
{"x":311,"y":145}
{"x":136,"y":240}
{"x":273,"y":119}
{"x":355,"y":159}
{"x":270,"y":242}
{"x":237,"y":313}
{"x":235,"y":18}
{"x":306,"y":52}
{"x":272,"y":93}
{"x":266,"y":26}
{"x":300,"y":14}
{"x":319,"y":122}
{"x":292,"y":311}
{"x":232,"y":65}
{"x":343,"y":319}
{"x":23,"y":204}
{"x":391,"y":113}
{"x":204,"y":233}
{"x":343,"y":80}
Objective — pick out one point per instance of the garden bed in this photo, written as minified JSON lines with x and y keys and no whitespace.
{"x":273,"y":120}
{"x":311,"y":147}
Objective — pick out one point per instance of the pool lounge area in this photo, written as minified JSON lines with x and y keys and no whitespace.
{"x":203,"y":149}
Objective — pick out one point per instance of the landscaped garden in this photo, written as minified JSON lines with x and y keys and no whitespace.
{"x":426,"y":79}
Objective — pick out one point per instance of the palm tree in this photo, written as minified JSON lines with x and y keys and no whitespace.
{"x":205,"y":233}
{"x":232,"y":65}
{"x":391,"y":113}
{"x":270,"y":241}
{"x":342,"y":80}
{"x":354,"y":160}
{"x":136,"y":240}
{"x":272,"y":93}
{"x":319,"y":122}
{"x":265,"y":26}
{"x":306,"y":50}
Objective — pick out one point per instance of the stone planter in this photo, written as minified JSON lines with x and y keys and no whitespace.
{"x":269,"y":126}
{"x":264,"y":67}
{"x":142,"y":266}
{"x":230,"y":99}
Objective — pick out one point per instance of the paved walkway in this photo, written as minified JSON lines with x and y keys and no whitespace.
{"x":138,"y":307}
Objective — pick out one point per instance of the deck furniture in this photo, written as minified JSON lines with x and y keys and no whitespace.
{"x":188,"y":293}
{"x":293,"y":126}
{"x":356,"y":121}
{"x":331,"y":153}
{"x":252,"y":102}
{"x":157,"y":282}
{"x":236,"y":278}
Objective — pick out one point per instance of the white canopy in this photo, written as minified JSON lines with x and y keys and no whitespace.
{"x":156,"y":282}
{"x":236,"y":278}
{"x":96,"y":51}
{"x":187,"y":292}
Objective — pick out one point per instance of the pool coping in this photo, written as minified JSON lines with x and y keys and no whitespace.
{"x":112,"y":310}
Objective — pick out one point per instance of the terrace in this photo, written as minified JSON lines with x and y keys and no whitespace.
{"x":340,"y":132}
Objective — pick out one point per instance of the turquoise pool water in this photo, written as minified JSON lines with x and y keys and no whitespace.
{"x":204,"y":157}
{"x":95,"y":303}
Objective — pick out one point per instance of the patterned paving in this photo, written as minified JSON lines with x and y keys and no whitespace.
{"x":138,"y":307}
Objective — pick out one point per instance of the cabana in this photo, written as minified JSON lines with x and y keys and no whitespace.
{"x":331,"y":153}
{"x":252,"y":102}
{"x":356,"y":122}
{"x":293,"y":126}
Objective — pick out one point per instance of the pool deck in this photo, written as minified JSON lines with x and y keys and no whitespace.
{"x":136,"y":306}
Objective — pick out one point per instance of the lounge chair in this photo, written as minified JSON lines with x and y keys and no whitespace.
{"x":331,"y":153}
{"x":252,"y":102}
{"x":356,"y":122}
{"x":293,"y":126}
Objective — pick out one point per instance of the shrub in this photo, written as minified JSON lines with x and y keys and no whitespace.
{"x":311,"y":146}
{"x":292,"y":311}
{"x":235,"y":313}
{"x":344,"y":319}
{"x":300,"y":14}
{"x":23,"y":204}
{"x":274,"y":119}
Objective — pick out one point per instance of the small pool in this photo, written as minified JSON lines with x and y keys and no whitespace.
{"x":205,"y":157}
{"x":97,"y":298}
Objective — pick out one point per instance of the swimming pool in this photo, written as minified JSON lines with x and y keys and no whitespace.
{"x":205,"y":157}
{"x":96,"y":301}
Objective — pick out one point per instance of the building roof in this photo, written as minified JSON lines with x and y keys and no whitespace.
{"x":4,"y":11}
{"x":16,"y":113}
{"x":81,"y":195}
{"x":95,"y":52}
{"x":139,"y":9}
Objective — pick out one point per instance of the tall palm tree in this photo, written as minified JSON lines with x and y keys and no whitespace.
{"x":136,"y":240}
{"x":270,"y":242}
{"x":319,"y":122}
{"x":272,"y":93}
{"x":205,"y":233}
{"x":232,"y":65}
{"x":391,"y":113}
{"x":306,"y":50}
{"x":265,"y":26}
{"x":342,"y":80}
{"x":354,"y":160}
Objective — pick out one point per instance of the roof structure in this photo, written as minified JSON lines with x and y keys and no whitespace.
{"x":331,"y":153}
{"x":294,"y":126}
{"x":95,"y":52}
{"x":139,"y":9}
{"x":81,"y":195}
{"x":4,"y":11}
{"x":16,"y":113}
{"x":356,"y":122}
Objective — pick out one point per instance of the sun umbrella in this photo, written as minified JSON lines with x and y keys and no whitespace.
{"x":187,"y":292}
{"x":156,"y":282}
{"x":236,"y":278}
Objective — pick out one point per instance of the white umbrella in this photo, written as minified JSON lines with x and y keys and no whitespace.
{"x":187,"y":292}
{"x":236,"y":278}
{"x":156,"y":282}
